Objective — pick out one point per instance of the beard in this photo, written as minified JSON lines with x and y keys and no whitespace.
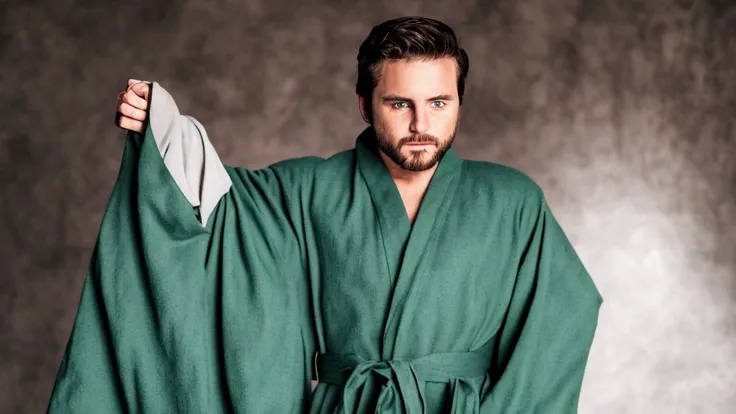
{"x":418,"y":160}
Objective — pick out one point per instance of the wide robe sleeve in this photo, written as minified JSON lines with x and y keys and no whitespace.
{"x":180,"y":317}
{"x":549,"y":326}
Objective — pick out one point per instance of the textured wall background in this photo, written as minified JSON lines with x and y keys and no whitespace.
{"x":623,"y":111}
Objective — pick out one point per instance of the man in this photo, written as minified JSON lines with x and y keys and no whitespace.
{"x":400,"y":276}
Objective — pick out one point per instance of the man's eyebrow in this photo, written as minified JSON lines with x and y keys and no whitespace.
{"x":441,"y":98}
{"x":395,"y":98}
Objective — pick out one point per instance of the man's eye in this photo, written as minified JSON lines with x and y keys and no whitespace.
{"x":440,"y":104}
{"x":398,"y":105}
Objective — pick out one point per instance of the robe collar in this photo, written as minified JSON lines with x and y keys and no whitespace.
{"x":405,"y":245}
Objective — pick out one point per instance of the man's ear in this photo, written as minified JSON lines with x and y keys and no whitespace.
{"x":365,"y":110}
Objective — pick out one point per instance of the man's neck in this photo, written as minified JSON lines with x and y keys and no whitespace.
{"x":412,"y":185}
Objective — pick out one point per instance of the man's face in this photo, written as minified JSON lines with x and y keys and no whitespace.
{"x":415,"y":109}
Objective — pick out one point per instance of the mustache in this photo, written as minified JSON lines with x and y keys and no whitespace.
{"x":419,"y":138}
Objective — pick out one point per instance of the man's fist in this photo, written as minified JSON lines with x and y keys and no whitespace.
{"x":132,"y":106}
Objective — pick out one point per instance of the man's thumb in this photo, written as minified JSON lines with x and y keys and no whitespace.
{"x":142,"y":89}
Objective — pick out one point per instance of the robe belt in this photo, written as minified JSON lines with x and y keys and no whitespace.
{"x":403,"y":391}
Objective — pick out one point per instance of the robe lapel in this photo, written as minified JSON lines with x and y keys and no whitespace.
{"x":393,"y":220}
{"x":405,"y":245}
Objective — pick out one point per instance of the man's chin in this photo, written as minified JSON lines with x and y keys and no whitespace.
{"x":424,"y":154}
{"x":417,"y":167}
{"x":419,"y":163}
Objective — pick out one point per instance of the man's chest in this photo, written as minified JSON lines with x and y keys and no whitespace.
{"x":462,"y":253}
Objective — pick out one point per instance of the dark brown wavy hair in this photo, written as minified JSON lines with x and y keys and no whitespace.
{"x":409,"y":37}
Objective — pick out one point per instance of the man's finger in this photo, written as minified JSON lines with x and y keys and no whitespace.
{"x":131,"y":124}
{"x":132,"y":82}
{"x":131,"y":112}
{"x":134,"y":100}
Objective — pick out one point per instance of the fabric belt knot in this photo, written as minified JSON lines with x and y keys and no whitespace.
{"x":403,"y":378}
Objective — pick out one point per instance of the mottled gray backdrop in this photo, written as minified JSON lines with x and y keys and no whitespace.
{"x":623,"y":111}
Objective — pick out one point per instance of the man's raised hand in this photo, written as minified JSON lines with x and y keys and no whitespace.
{"x":132,"y":106}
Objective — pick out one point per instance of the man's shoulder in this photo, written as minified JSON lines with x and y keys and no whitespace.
{"x":315,"y":162}
{"x":500,"y":180}
{"x":309,"y":168}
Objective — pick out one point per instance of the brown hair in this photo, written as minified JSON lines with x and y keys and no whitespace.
{"x":408,"y":38}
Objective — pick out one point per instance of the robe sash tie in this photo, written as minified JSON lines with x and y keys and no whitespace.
{"x":403,"y":378}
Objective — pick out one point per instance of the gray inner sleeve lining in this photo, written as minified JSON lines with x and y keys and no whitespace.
{"x":187,"y":153}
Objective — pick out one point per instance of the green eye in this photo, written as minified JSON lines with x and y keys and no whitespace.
{"x":399,"y":103}
{"x":441,"y":104}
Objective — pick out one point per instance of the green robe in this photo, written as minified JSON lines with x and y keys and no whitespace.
{"x":480,"y":306}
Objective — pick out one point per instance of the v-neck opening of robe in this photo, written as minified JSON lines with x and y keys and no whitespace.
{"x":404,"y":243}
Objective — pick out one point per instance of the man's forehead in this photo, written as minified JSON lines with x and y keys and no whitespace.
{"x":420,"y":78}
